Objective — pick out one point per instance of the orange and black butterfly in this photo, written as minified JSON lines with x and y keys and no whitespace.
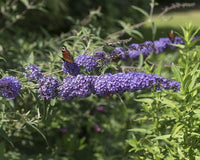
{"x":171,"y":36}
{"x":67,"y":57}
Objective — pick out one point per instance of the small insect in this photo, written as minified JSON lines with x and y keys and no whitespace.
{"x":109,"y":95}
{"x":171,"y":36}
{"x":67,"y":57}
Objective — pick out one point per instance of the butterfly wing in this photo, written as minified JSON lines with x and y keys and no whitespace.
{"x":66,"y":55}
{"x":171,"y":35}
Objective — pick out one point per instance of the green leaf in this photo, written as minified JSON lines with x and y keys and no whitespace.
{"x":132,"y":142}
{"x":31,"y":58}
{"x":1,"y":58}
{"x":145,"y":100}
{"x":167,"y":102}
{"x":163,"y":137}
{"x":25,"y":2}
{"x":34,"y":127}
{"x":141,"y":60}
{"x":154,"y":29}
{"x":176,"y":129}
{"x":140,"y":10}
{"x":137,"y":33}
{"x":176,"y":72}
{"x":141,"y":130}
{"x":5,"y":136}
{"x":192,"y":83}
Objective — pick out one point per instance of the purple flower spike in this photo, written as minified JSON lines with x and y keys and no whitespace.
{"x":48,"y":87}
{"x":100,"y":109}
{"x":97,"y":128}
{"x":119,"y":52}
{"x":64,"y":130}
{"x":100,"y":85}
{"x":32,"y":73}
{"x":100,"y":55}
{"x":133,"y":54}
{"x":10,"y":87}
{"x":177,"y":40}
{"x":71,"y":68}
{"x":87,"y":61}
{"x":79,"y":86}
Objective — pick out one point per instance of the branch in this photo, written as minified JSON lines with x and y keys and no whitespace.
{"x":167,"y":9}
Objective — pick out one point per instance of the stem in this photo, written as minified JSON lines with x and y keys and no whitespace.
{"x":149,"y":20}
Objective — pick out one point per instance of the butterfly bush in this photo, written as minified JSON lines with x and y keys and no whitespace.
{"x":78,"y":85}
{"x":48,"y":87}
{"x":133,"y":51}
{"x":71,"y":68}
{"x":103,"y":85}
{"x":10,"y":87}
{"x":87,"y":61}
{"x":32,"y":72}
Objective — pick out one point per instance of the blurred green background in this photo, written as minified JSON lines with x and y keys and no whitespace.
{"x":33,"y":31}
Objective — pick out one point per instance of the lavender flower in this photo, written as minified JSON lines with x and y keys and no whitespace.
{"x":133,"y":46}
{"x":97,"y":128}
{"x":100,"y":84}
{"x":64,"y":130}
{"x":119,"y":52}
{"x":133,"y":54}
{"x":10,"y":87}
{"x":79,"y":86}
{"x":48,"y":87}
{"x":160,"y":46}
{"x":100,"y":109}
{"x":87,"y":61}
{"x":32,"y":73}
{"x":71,"y":68}
{"x":146,"y":48}
{"x":100,"y":55}
{"x":103,"y":85}
{"x":177,"y":40}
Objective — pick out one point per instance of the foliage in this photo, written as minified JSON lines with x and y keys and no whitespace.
{"x":94,"y":127}
{"x":172,"y":118}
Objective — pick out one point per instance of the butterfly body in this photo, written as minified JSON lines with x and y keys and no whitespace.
{"x":67,"y":57}
{"x":171,"y":35}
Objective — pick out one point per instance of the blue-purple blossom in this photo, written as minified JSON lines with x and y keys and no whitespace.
{"x":119,"y":52}
{"x":64,"y":130}
{"x":133,"y":46}
{"x":100,"y":109}
{"x":10,"y":87}
{"x":133,"y":54}
{"x":87,"y":61}
{"x":177,"y":40}
{"x":100,"y":55}
{"x":75,"y":86}
{"x":48,"y":87}
{"x":32,"y":72}
{"x":71,"y":68}
{"x":106,"y":84}
{"x":97,"y":128}
{"x":146,"y":48}
{"x":160,"y":46}
{"x":100,"y":84}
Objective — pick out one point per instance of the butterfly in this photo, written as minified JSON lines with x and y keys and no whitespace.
{"x":171,"y":36}
{"x":67,"y":57}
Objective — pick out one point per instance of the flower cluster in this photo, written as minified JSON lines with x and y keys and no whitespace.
{"x":10,"y":87}
{"x":133,"y":51}
{"x":32,"y":72}
{"x":87,"y":61}
{"x":48,"y":87}
{"x":106,"y":84}
{"x":75,"y":86}
{"x":71,"y":68}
